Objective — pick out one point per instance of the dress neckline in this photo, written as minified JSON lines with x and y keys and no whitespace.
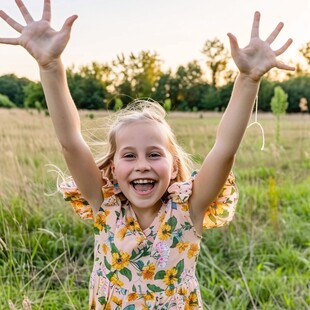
{"x":154,"y":223}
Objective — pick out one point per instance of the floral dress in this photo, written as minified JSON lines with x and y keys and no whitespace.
{"x":153,"y":268}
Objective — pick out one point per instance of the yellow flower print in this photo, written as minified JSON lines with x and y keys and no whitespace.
{"x":191,"y":301}
{"x":116,"y":281}
{"x":93,"y":305}
{"x":132,"y":224}
{"x":121,"y":233}
{"x":145,"y":307}
{"x":140,"y":239}
{"x":162,"y":217}
{"x":216,"y":208}
{"x":120,"y":260}
{"x":149,"y":296}
{"x":164,"y":231}
{"x":105,"y":249}
{"x":148,"y":271}
{"x":182,"y":246}
{"x":193,"y":250}
{"x":185,"y":207}
{"x":74,"y":194}
{"x":133,"y":296}
{"x":101,"y":219}
{"x":107,"y":192}
{"x":182,"y":291}
{"x":117,"y":301}
{"x":169,"y":292}
{"x":170,"y":276}
{"x":77,"y":205}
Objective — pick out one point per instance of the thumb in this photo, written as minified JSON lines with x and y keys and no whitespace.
{"x":233,"y":42}
{"x":69,"y":23}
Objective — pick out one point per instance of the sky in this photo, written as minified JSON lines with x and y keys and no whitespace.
{"x":175,"y":29}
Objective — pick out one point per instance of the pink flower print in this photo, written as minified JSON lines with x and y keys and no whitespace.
{"x":163,"y":251}
{"x":92,"y":280}
{"x":119,"y":223}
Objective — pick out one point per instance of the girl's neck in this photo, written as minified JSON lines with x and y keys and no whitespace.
{"x":146,"y":217}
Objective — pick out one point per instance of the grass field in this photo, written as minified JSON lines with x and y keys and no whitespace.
{"x":260,"y":261}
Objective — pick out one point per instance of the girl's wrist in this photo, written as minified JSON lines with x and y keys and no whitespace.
{"x":52,"y":66}
{"x":250,"y":78}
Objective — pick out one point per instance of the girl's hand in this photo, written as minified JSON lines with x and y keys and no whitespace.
{"x":257,"y":57}
{"x":37,"y":37}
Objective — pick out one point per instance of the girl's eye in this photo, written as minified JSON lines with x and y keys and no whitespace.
{"x":128,"y":155}
{"x":154,"y":155}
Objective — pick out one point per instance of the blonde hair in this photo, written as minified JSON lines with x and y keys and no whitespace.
{"x":140,"y":110}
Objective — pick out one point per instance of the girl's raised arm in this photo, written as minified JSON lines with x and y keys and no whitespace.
{"x":46,"y":45}
{"x":253,"y":62}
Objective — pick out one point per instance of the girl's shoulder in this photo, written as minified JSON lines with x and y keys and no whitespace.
{"x":180,"y":192}
{"x":220,"y":212}
{"x":112,"y":196}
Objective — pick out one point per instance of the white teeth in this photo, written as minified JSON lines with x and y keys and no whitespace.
{"x":142,"y":181}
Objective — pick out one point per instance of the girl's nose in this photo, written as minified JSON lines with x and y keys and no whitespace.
{"x":142,"y":165}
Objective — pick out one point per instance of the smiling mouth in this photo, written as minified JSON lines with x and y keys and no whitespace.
{"x":143,"y":185}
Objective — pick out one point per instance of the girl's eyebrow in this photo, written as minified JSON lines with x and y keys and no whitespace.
{"x":132,"y":148}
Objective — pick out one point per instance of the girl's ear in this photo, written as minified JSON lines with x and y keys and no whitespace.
{"x":175,"y":171}
{"x":112,"y":168}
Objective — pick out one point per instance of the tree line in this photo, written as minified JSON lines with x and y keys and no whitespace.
{"x":192,"y":87}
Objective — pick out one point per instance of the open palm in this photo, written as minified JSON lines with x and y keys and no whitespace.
{"x":38,"y":37}
{"x":257,"y":57}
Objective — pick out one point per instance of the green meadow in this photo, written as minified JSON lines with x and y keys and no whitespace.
{"x":260,"y":261}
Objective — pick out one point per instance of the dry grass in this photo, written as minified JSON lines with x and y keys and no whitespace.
{"x":261,"y":261}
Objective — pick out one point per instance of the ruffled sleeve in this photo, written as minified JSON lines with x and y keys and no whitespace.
{"x":72,"y":194}
{"x":220,"y":212}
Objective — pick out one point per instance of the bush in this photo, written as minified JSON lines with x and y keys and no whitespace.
{"x":5,"y":102}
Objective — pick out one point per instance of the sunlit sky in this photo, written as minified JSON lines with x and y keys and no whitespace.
{"x":175,"y":29}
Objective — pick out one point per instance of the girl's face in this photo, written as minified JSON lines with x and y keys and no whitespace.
{"x":142,"y":164}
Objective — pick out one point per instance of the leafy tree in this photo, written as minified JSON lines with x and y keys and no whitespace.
{"x":163,"y":85}
{"x":13,"y":88}
{"x":5,"y":102}
{"x":138,"y":74}
{"x":296,"y":88}
{"x":211,"y":99}
{"x":265,"y":94}
{"x":216,"y":59}
{"x":87,"y":88}
{"x":305,"y":52}
{"x":99,"y":72}
{"x":224,"y":94}
{"x":187,"y":88}
{"x":34,"y":96}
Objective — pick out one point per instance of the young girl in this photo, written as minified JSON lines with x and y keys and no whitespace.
{"x":148,"y":212}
